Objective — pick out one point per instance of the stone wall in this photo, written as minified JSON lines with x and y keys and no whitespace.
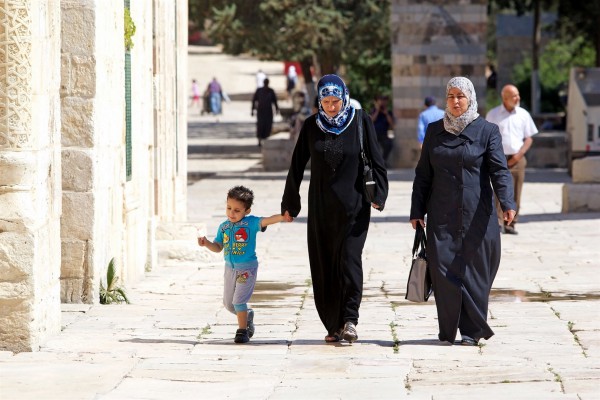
{"x":30,"y":203}
{"x":583,"y":195}
{"x":138,"y":198}
{"x":92,"y":138}
{"x":170,"y":158}
{"x":68,"y":201}
{"x":431,"y":43}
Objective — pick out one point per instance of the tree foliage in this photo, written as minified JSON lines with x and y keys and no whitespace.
{"x":555,"y":63}
{"x":576,"y":19}
{"x":328,"y":35}
{"x":581,"y":19}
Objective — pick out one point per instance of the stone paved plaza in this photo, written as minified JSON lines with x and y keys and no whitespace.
{"x":175,"y":339}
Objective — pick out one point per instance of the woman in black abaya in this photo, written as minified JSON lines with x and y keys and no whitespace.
{"x":338,"y":214}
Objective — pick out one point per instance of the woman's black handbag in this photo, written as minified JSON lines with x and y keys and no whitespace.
{"x":418,"y":287}
{"x":369,"y":186}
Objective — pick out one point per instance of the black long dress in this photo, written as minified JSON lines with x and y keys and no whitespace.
{"x":454,"y":184}
{"x":338,"y":214}
{"x":263,"y":101}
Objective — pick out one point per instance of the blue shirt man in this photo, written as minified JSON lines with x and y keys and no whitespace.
{"x":431,"y":114}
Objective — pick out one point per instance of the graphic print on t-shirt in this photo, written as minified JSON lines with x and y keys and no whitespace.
{"x":239,"y":242}
{"x":241,"y":235}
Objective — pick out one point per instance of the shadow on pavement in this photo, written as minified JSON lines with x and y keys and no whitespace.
{"x":547,"y":175}
{"x":159,"y":341}
{"x":221,"y":130}
{"x":243,"y":151}
{"x":557,"y":217}
{"x":297,"y":342}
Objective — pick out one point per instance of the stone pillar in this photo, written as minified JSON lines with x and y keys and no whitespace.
{"x":172,"y":87}
{"x":30,"y":202}
{"x":93,"y":176}
{"x":431,"y":43}
{"x":139,"y":253}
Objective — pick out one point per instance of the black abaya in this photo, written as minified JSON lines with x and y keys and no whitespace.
{"x":263,"y":101}
{"x":338,"y":214}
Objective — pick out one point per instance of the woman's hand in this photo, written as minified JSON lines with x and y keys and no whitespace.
{"x":287,"y":217}
{"x":414,"y":222}
{"x":375,"y":206}
{"x":509,"y":215}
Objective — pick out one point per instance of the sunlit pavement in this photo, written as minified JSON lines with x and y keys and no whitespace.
{"x":175,"y":341}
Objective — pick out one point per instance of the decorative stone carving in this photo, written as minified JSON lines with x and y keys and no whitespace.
{"x":15,"y":74}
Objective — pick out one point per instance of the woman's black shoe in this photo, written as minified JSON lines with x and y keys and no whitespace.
{"x":467,"y":341}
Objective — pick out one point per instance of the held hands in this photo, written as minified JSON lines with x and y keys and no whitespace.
{"x":286,"y":217}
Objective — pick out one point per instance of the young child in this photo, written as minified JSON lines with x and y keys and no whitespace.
{"x":237,"y":236}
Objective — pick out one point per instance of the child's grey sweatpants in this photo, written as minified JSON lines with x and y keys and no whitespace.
{"x":238,"y":288}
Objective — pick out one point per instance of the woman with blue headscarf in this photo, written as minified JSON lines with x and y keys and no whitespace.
{"x":338,"y":213}
{"x":462,"y":165}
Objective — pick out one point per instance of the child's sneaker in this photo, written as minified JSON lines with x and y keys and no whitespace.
{"x":241,"y":336}
{"x":250,"y":323}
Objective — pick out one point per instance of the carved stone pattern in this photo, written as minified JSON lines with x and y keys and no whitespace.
{"x":15,"y":74}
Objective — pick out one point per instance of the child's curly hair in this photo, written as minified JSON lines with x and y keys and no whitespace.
{"x":242,"y":194}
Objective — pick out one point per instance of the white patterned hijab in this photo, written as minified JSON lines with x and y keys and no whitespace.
{"x":454,"y":124}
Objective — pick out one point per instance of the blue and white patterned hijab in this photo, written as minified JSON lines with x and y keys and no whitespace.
{"x":454,"y":124}
{"x":333,"y":85}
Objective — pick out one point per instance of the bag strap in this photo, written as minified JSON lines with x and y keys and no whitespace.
{"x":363,"y":155}
{"x":420,"y":240}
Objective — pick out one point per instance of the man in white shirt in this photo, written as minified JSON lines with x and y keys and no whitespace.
{"x":517,"y":128}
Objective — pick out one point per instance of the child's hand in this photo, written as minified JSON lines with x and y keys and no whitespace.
{"x":287,"y":217}
{"x":201,"y":236}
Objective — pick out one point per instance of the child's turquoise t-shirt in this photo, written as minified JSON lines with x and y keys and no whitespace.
{"x":239,"y":242}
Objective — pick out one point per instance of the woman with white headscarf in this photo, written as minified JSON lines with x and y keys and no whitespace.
{"x":462,"y":164}
{"x":338,"y":213}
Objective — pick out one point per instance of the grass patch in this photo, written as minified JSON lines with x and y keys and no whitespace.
{"x":204,"y":332}
{"x":395,"y":337}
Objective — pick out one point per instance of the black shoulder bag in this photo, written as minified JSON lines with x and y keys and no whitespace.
{"x":369,"y":186}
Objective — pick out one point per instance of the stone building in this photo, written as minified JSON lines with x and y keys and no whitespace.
{"x":93,"y":151}
{"x":432,"y":41}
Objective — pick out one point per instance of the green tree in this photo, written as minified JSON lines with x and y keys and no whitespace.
{"x":368,"y":56}
{"x":329,"y":35}
{"x":581,"y":19}
{"x":555,"y":63}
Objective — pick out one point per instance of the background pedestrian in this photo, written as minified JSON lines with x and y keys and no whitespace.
{"x":383,"y":121}
{"x":215,"y":96}
{"x":517,"y":129}
{"x":263,"y":102}
{"x":431,"y":114}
